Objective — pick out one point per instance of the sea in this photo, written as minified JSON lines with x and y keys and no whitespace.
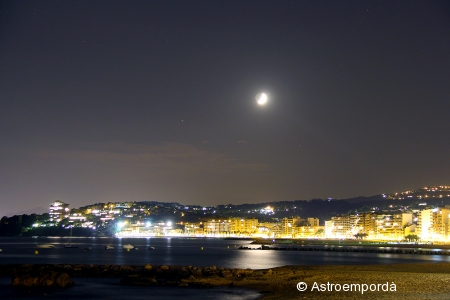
{"x":169,"y":251}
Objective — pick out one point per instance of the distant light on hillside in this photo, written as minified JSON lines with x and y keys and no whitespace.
{"x":266,"y":210}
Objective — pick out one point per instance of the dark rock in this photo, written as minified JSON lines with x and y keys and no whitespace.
{"x":248,"y":272}
{"x":164,"y":268}
{"x":226,"y":274}
{"x":183,"y":273}
{"x":257,"y":273}
{"x":48,"y":279}
{"x":63,"y":280}
{"x":242,"y":272}
{"x":126,"y":269}
{"x":115,"y":268}
{"x":164,"y":271}
{"x":208,"y":272}
{"x":196,"y":272}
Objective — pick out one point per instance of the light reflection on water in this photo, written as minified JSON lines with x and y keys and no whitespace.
{"x":187,"y":251}
{"x":271,"y":258}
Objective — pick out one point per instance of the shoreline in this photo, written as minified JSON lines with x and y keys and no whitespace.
{"x":414,"y":281}
{"x":277,"y":241}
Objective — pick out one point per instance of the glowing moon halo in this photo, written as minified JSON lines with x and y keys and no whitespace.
{"x":261,"y":98}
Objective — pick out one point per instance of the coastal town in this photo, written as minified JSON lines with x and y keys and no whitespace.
{"x":150,"y":219}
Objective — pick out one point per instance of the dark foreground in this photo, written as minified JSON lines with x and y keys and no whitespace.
{"x":401,"y":281}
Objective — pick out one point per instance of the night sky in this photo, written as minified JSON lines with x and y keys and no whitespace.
{"x":155,"y":100}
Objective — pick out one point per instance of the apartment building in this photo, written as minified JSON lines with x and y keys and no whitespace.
{"x":58,"y":210}
{"x":244,"y":226}
{"x":217,"y":227}
{"x":433,"y":224}
{"x":390,"y":226}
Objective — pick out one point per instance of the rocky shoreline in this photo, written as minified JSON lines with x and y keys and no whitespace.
{"x":414,"y":281}
{"x":45,"y":275}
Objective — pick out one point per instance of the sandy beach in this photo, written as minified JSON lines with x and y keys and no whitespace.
{"x":411,"y":281}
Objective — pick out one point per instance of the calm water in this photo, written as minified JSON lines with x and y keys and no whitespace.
{"x":185,"y":252}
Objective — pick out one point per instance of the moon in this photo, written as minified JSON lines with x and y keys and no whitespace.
{"x":261,"y":98}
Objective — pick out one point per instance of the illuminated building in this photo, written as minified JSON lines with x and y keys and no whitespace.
{"x":433,"y":223}
{"x":244,"y":226}
{"x":379,"y":226}
{"x":313,"y":222}
{"x":392,"y":226}
{"x":217,"y":227}
{"x":58,"y":211}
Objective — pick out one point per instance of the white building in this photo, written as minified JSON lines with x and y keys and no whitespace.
{"x":58,"y":211}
